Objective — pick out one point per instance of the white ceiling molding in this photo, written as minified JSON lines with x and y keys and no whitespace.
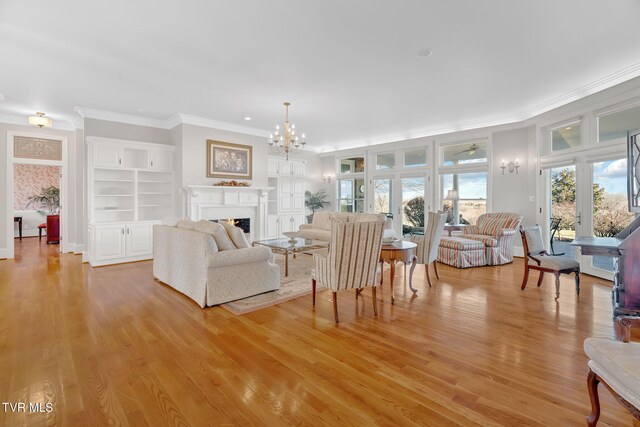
{"x":109,"y":116}
{"x":606,"y":82}
{"x":215,"y":124}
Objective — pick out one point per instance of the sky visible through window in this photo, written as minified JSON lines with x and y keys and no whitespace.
{"x":471,"y":185}
{"x":611,"y":175}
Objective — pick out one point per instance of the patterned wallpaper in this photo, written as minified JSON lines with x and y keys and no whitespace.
{"x":29,"y":180}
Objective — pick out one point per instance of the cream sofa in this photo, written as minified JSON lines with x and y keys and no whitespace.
{"x":320,"y":227}
{"x":201,"y":261}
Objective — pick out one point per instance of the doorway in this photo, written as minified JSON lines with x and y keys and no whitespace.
{"x":587,"y":198}
{"x":403,"y":197}
{"x":42,"y":155}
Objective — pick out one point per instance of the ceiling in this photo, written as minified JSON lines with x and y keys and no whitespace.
{"x":349,"y":68}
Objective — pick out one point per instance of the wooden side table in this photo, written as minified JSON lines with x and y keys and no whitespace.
{"x":394,"y":252}
{"x":452,"y":227}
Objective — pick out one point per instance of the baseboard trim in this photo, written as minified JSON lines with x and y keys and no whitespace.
{"x":78,"y":249}
{"x":4,"y":253}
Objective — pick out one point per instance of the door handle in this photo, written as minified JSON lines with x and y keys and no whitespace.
{"x":123,"y":231}
{"x":152,"y":163}
{"x":120,"y":161}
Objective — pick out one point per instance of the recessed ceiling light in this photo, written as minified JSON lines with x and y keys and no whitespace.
{"x":423,"y":53}
{"x":568,"y":128}
{"x":247,"y":118}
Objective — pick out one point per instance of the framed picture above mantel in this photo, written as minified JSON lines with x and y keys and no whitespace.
{"x":227,"y":160}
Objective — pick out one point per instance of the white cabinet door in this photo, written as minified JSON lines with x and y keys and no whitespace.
{"x":272,"y":227}
{"x":160,"y":160}
{"x":109,"y":242}
{"x":286,"y":168}
{"x":297,"y":194}
{"x":297,"y":168}
{"x":286,"y":223}
{"x":272,"y":166}
{"x":285,"y":194}
{"x":107,"y":155}
{"x":139,"y":239}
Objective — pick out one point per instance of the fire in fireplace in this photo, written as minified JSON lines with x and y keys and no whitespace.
{"x":242,"y":223}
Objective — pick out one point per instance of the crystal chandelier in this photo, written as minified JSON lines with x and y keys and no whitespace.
{"x":287,"y":141}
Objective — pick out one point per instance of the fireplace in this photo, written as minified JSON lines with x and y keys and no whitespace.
{"x":242,"y":223}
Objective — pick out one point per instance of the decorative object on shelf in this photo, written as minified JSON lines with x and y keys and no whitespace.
{"x":231,"y":183}
{"x":227,"y":160}
{"x":40,"y":120}
{"x":315,"y":201}
{"x":288,"y":142}
{"x":510,"y":166}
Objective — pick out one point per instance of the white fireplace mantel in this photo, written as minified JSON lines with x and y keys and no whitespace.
{"x":221,"y":202}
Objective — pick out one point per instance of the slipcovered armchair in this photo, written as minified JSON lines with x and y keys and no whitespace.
{"x":615,"y":365}
{"x":354,"y":253}
{"x":427,"y":250}
{"x":497,"y":231}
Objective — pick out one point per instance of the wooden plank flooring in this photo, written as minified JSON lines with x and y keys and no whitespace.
{"x":112,"y":346}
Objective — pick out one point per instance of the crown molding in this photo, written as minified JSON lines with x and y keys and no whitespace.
{"x":231,"y":127}
{"x":605,"y":82}
{"x":109,"y":116}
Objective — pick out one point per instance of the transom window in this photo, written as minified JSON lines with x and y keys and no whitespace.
{"x":464,"y":153}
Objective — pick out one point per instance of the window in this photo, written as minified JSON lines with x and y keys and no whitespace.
{"x":385,"y":161}
{"x":352,"y":165}
{"x":465,"y":153}
{"x":566,"y":136}
{"x":383,"y":195}
{"x":351,"y":195}
{"x":614,"y":126}
{"x":415,"y":158}
{"x":472,"y":196}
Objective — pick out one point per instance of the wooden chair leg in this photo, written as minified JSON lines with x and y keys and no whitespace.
{"x":526,"y":276}
{"x":335,"y":306}
{"x":313,"y":290}
{"x":592,"y":385}
{"x":426,"y":267}
{"x":540,"y":278}
{"x":557,"y":285}
{"x":435,"y":268}
{"x":578,"y":282}
{"x":375,"y":301}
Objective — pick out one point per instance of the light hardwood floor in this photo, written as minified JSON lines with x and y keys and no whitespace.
{"x":112,"y":346}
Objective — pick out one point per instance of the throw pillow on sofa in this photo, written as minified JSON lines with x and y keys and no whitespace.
{"x":236,"y":234}
{"x":218,"y":232}
{"x":187,"y":224}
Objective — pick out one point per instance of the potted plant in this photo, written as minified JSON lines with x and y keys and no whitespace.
{"x":315,"y":201}
{"x":48,"y":199}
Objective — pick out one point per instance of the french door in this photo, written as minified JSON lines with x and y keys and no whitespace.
{"x":403,"y":196}
{"x":587,"y":198}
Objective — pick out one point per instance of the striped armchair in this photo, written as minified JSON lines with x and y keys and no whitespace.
{"x":354,"y":253}
{"x":497,"y":231}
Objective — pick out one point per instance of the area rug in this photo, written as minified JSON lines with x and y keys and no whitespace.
{"x":296,"y":285}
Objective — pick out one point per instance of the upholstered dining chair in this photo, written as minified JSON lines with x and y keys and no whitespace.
{"x":354,"y":253}
{"x":615,"y":365}
{"x":537,"y":258}
{"x":427,"y":250}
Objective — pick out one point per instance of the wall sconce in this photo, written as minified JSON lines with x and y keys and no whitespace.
{"x":326,"y":179}
{"x":511,"y":166}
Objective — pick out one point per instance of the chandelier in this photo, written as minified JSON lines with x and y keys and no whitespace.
{"x":287,"y":141}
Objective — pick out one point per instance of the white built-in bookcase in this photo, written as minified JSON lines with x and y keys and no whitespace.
{"x":130,"y":188}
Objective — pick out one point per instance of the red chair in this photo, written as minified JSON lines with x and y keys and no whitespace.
{"x":41,"y":227}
